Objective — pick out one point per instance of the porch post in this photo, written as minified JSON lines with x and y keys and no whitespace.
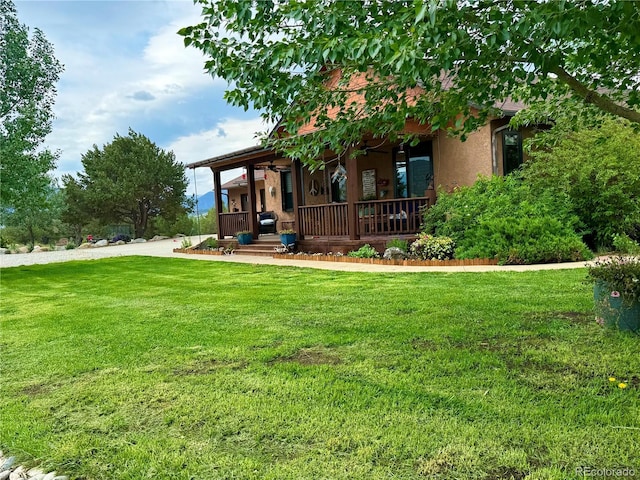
{"x":253,"y":214}
{"x":352,"y":195}
{"x":296,"y":179}
{"x":217,"y":188}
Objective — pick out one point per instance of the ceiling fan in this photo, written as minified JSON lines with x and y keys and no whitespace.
{"x":271,"y":166}
{"x":366,"y":149}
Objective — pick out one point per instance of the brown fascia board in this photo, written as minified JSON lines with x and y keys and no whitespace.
{"x":239,"y":158}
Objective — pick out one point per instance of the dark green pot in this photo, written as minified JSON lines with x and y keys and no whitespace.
{"x":613,"y":311}
{"x":288,"y":238}
{"x":245,"y":238}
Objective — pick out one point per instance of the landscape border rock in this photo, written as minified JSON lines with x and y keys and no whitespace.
{"x":345,"y":259}
{"x":380,"y":261}
{"x":10,"y":470}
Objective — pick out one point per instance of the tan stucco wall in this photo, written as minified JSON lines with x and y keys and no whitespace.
{"x":273,"y":191}
{"x":236,"y":192}
{"x":459,"y":163}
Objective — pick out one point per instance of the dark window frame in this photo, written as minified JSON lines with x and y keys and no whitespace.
{"x":423,"y":149}
{"x":287,"y":196}
{"x":511,"y":161}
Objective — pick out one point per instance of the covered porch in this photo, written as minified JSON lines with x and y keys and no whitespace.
{"x":355,"y":200}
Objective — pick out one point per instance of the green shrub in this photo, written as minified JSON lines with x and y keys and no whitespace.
{"x":70,"y":245}
{"x":523,"y":240}
{"x":365,"y":251}
{"x":624,"y":244}
{"x":211,"y":242}
{"x":597,"y":170}
{"x":428,"y":247}
{"x":398,"y":243}
{"x":186,"y":242}
{"x":504,"y":218}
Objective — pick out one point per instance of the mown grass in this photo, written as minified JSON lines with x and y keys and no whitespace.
{"x":134,"y":368}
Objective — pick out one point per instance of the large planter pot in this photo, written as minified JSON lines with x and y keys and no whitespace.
{"x":245,"y":238}
{"x":613,"y":310}
{"x":288,"y":238}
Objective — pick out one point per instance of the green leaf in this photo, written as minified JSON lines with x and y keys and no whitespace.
{"x":421,"y":11}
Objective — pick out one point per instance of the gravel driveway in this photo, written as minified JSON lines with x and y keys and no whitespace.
{"x":160,"y":248}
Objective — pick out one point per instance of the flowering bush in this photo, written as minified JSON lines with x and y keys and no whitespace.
{"x":429,"y":247}
{"x":620,"y":274}
{"x":624,"y":244}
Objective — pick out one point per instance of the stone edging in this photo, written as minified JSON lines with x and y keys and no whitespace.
{"x":381,"y":261}
{"x":198,"y":252}
{"x":345,"y":259}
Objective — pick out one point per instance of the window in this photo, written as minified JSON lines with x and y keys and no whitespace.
{"x":511,"y":151}
{"x":287,"y":190}
{"x":263,"y":200}
{"x":413,"y":170}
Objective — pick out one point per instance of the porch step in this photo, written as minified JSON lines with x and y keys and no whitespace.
{"x":263,"y":246}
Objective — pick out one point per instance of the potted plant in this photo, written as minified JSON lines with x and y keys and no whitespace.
{"x":616,"y":292}
{"x":287,"y":237}
{"x":245,"y":237}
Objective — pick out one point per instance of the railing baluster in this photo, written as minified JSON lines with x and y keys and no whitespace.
{"x":377,"y":217}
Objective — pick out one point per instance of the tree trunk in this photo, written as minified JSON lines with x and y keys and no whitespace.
{"x":140,"y":224}
{"x":32,"y":237}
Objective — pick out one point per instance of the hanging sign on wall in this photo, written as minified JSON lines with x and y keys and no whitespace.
{"x":369,"y":184}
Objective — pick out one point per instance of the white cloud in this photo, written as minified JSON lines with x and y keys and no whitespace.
{"x":130,"y":68}
{"x":125,"y":66}
{"x":226,"y":136}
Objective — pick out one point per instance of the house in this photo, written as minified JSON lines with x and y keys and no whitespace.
{"x":378,"y":195}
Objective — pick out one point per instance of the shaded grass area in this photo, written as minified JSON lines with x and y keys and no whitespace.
{"x":135,"y":368}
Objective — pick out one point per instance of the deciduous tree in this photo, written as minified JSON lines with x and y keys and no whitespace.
{"x":28,"y":74}
{"x":465,"y":57}
{"x":130,"y":180}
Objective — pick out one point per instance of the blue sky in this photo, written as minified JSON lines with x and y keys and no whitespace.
{"x":125,"y":66}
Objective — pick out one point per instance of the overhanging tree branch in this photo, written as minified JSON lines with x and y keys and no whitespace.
{"x":599,"y":100}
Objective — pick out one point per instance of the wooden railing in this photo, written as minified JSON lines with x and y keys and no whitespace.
{"x":389,"y":217}
{"x":376,"y":217}
{"x":323,"y":220}
{"x":231,"y":223}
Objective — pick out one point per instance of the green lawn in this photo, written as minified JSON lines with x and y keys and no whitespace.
{"x":135,"y":368}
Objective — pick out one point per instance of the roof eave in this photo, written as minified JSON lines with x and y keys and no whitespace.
{"x":235,"y":159}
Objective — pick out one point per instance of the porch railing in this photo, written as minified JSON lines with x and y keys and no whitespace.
{"x":323,"y":220}
{"x":375,"y":217}
{"x":233,"y":222}
{"x":389,"y":217}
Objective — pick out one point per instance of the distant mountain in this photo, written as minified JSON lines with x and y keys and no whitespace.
{"x":207,"y":201}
